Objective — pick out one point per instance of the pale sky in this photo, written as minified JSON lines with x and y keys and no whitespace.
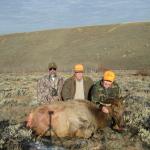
{"x":33,"y":15}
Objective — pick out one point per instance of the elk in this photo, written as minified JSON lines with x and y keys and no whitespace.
{"x":72,"y":118}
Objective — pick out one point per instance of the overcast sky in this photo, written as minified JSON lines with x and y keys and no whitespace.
{"x":33,"y":15}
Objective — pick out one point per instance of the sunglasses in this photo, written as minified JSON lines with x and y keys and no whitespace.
{"x":78,"y":71}
{"x":52,"y":69}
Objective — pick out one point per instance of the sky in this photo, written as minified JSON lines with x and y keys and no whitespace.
{"x":34,"y":15}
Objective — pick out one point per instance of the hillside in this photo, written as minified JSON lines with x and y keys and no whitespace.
{"x":120,"y":46}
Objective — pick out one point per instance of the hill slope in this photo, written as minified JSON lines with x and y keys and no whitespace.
{"x":120,"y":46}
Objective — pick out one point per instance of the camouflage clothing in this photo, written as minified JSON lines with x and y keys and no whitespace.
{"x":103,"y":97}
{"x":49,"y":88}
{"x":52,"y":65}
{"x":99,"y":94}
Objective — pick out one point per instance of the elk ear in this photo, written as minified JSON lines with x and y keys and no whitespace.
{"x":123,"y":98}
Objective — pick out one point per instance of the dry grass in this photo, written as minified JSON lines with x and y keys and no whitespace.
{"x":122,"y":46}
{"x":18,"y":97}
{"x":143,"y":72}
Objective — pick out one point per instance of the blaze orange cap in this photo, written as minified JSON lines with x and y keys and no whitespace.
{"x":78,"y":68}
{"x":109,"y":76}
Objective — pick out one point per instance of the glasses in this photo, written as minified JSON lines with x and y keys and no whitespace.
{"x":52,"y":69}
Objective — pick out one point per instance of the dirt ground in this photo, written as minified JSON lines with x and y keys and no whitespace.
{"x":18,"y":98}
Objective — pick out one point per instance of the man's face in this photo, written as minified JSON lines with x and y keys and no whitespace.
{"x":52,"y":71}
{"x":107,"y":84}
{"x":79,"y":75}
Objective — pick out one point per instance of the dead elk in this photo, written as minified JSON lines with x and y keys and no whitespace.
{"x":79,"y":118}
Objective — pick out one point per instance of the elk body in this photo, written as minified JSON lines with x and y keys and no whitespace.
{"x":79,"y":118}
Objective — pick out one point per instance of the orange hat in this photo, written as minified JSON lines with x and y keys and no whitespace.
{"x":78,"y":68}
{"x":109,"y":76}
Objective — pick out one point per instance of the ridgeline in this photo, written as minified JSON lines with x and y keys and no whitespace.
{"x":120,"y":46}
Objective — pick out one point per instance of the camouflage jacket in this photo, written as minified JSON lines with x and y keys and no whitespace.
{"x":69,"y":87}
{"x":99,"y":94}
{"x":48,"y":89}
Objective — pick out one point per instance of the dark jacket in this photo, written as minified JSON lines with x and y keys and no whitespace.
{"x":69,"y":87}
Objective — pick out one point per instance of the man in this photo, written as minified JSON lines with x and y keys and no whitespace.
{"x":104,"y":90}
{"x":77,"y":86}
{"x":49,"y":87}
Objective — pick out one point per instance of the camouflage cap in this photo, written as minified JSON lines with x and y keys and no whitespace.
{"x":52,"y":65}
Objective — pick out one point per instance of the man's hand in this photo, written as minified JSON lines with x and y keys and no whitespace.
{"x":105,"y":110}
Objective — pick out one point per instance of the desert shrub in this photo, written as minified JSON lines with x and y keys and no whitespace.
{"x":139,"y":120}
{"x":143,"y":72}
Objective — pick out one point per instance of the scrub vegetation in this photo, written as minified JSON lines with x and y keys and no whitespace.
{"x":18,"y":98}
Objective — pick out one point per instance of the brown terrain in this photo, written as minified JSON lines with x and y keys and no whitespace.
{"x":119,"y":46}
{"x":24,"y":58}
